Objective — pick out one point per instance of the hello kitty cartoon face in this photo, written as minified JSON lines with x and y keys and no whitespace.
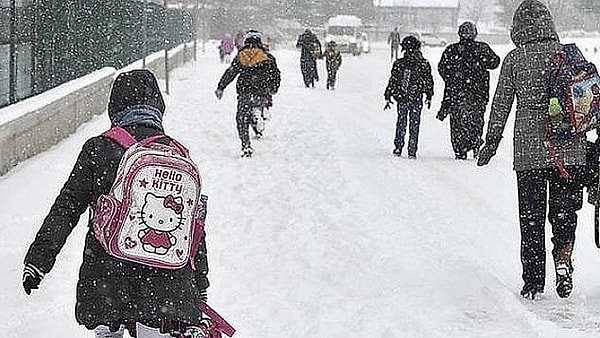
{"x":162,"y":213}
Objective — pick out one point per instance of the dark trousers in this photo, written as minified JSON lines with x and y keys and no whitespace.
{"x":564,"y":198}
{"x":394,"y":52}
{"x":309,"y":71}
{"x":466,"y":127}
{"x":410,"y":110}
{"x":243,"y":118}
{"x":331,"y":77}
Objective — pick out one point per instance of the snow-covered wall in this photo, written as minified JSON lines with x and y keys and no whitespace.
{"x":33,"y":125}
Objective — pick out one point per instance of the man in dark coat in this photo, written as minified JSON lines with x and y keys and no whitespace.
{"x":310,"y":51}
{"x":410,"y":79}
{"x":464,"y":67}
{"x":112,"y":293}
{"x":542,"y":190}
{"x":258,"y":80}
{"x":394,"y":42}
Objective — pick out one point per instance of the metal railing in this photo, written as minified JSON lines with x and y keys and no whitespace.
{"x":47,"y":43}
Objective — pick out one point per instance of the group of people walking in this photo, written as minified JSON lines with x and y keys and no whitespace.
{"x":524,"y":76}
{"x":114,"y":295}
{"x":464,"y":67}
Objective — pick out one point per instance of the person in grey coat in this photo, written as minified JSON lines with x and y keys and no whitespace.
{"x":525,"y":73}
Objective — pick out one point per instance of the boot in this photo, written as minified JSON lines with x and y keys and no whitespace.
{"x":564,"y":270}
{"x":532,"y":291}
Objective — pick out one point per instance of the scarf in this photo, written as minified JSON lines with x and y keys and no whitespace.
{"x":138,"y":115}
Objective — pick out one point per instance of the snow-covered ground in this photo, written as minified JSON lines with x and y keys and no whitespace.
{"x":323,"y":233}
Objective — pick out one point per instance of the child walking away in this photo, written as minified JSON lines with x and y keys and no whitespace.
{"x":411,"y":79}
{"x":226,"y":48}
{"x":541,"y":188}
{"x":258,"y":80}
{"x":144,"y":263}
{"x":333,"y":61}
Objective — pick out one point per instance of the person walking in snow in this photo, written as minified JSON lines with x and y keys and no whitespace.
{"x":394,"y":40}
{"x":114,"y":294}
{"x":541,"y":188}
{"x":464,"y":67}
{"x":310,"y":51}
{"x":226,"y":48}
{"x":411,"y":78}
{"x":258,"y":80}
{"x":333,"y":61}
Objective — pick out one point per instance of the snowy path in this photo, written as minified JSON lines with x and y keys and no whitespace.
{"x":323,"y":233}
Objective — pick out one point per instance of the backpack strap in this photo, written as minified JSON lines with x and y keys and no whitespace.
{"x":554,"y":154}
{"x":126,"y":140}
{"x":121,"y":136}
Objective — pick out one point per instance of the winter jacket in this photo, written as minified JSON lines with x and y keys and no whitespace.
{"x":525,"y":74}
{"x":333,"y":59}
{"x":464,"y":67}
{"x":257,"y":70}
{"x":410,"y":79}
{"x":111,"y":291}
{"x":310,"y":46}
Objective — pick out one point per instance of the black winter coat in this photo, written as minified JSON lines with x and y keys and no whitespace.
{"x":112,"y":291}
{"x":465,"y":66}
{"x":410,"y":79}
{"x":257,"y":70}
{"x":310,"y":46}
{"x":333,"y":59}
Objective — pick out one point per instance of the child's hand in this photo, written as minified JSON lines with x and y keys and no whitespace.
{"x":32,"y":276}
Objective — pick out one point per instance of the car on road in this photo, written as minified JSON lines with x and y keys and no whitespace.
{"x":430,"y":39}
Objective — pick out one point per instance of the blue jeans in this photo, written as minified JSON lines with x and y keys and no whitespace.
{"x":412,"y":111}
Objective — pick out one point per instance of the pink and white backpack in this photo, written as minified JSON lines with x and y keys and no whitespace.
{"x":152,"y":214}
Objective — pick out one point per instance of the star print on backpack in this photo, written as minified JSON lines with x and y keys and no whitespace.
{"x":153,"y":213}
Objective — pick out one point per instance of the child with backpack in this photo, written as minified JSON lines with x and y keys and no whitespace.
{"x":144,"y":263}
{"x":542,"y":187}
{"x":411,"y":78}
{"x":259,"y":79}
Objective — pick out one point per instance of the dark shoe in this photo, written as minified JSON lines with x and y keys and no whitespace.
{"x":530,"y":291}
{"x":412,"y":156}
{"x":247,"y":152}
{"x":461,"y":156}
{"x":564,"y":269}
{"x":397,"y":152}
{"x":564,"y":280}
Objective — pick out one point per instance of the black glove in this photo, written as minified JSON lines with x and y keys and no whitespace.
{"x":32,"y":276}
{"x":388,"y":104}
{"x":440,"y":116}
{"x":486,"y":153}
{"x":219,"y":93}
{"x":204,"y":295}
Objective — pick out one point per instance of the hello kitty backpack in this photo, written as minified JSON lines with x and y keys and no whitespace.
{"x":153,"y":213}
